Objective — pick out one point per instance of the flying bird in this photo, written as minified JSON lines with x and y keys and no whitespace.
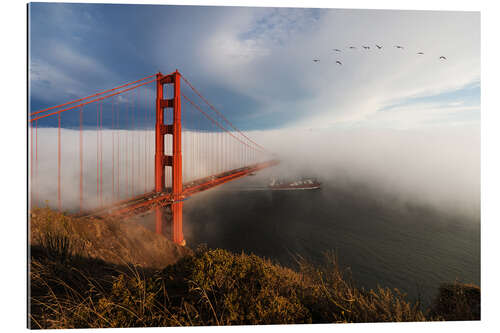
{"x":442,"y":57}
{"x":338,"y":62}
{"x":337,"y":50}
{"x":366,"y":47}
{"x":420,"y":53}
{"x":352,"y":47}
{"x":316,"y":60}
{"x":399,"y":47}
{"x":379,"y":47}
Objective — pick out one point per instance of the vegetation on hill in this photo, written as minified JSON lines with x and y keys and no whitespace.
{"x":110,"y":240}
{"x":76,"y":284}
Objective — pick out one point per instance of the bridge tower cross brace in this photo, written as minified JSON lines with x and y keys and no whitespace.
{"x":175,"y":160}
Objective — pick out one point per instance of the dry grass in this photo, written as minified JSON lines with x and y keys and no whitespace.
{"x":70,"y":289}
{"x":114,"y":241}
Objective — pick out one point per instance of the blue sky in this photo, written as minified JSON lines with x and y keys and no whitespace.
{"x":255,"y":64}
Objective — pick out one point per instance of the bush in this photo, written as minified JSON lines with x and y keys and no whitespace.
{"x":227,"y":289}
{"x":458,"y":301}
{"x":56,"y":245}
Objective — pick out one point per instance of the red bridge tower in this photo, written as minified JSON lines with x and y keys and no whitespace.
{"x":175,"y":160}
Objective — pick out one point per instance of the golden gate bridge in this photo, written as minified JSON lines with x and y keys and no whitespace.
{"x":158,"y":145}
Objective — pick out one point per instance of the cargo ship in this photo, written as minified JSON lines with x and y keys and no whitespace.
{"x":301,"y":184}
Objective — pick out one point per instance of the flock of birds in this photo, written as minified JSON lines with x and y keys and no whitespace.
{"x":366,"y":47}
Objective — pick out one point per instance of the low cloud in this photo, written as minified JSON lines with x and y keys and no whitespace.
{"x":127,"y":167}
{"x":437,"y":166}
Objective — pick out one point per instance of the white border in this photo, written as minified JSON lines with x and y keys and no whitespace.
{"x":13,"y":160}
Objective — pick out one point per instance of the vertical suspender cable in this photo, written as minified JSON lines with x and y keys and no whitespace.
{"x":126,"y":151}
{"x":138,"y":139}
{"x":36,"y":161}
{"x":191,"y":153}
{"x":193,"y":161}
{"x":145,"y":138}
{"x":219,"y":150}
{"x":146,"y":159}
{"x":32,"y":169}
{"x":200,"y":151}
{"x":81,"y":159}
{"x":197,"y":152}
{"x":187,"y":157}
{"x":97,"y":151}
{"x":151,"y":137}
{"x":118,"y":148}
{"x":100,"y":156}
{"x":113,"y":148}
{"x":59,"y":162}
{"x":211,"y":151}
{"x":134,"y":95}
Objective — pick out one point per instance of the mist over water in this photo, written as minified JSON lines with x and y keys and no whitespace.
{"x":401,"y":209}
{"x":384,"y":241}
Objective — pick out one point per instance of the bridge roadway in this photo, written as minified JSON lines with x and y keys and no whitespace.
{"x":142,"y":204}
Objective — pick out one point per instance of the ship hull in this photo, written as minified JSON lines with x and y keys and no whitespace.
{"x":293,"y":188}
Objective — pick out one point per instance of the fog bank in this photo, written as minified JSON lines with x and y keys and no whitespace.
{"x":437,"y":166}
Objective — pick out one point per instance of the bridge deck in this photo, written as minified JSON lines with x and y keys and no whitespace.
{"x":142,"y":204}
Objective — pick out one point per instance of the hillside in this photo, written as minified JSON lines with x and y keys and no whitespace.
{"x":88,"y":273}
{"x":110,"y":240}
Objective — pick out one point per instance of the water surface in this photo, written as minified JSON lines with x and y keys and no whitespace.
{"x":384,"y":241}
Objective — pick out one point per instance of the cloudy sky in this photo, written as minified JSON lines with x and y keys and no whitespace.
{"x":255,"y":64}
{"x":388,"y":116}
